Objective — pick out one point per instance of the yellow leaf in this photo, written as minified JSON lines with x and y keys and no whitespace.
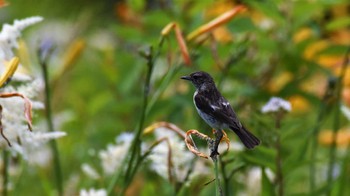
{"x":9,"y":71}
{"x":302,"y":35}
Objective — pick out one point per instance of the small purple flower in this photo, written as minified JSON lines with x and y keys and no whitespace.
{"x":275,"y":104}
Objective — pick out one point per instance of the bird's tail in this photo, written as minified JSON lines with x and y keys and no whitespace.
{"x":247,"y":138}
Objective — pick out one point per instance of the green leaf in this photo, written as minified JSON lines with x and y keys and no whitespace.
{"x":267,"y":188}
{"x":241,"y":24}
{"x":262,"y":156}
{"x":338,"y":23}
{"x":269,"y":8}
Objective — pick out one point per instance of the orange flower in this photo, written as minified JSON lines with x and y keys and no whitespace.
{"x":278,"y":82}
{"x":302,"y":35}
{"x":123,"y":11}
{"x":346,"y":95}
{"x":316,"y":85}
{"x":222,"y":34}
{"x":342,"y":139}
{"x":299,"y":103}
{"x":314,"y":48}
{"x":3,"y":3}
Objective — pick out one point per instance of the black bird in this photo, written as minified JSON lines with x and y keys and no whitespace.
{"x":216,"y":111}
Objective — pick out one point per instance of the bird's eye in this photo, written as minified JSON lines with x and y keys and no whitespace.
{"x":195,"y":76}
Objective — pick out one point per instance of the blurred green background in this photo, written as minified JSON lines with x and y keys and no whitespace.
{"x":288,"y":49}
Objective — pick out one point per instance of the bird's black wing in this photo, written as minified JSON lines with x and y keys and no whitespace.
{"x":219,"y":109}
{"x":222,"y":111}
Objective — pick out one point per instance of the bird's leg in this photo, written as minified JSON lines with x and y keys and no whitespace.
{"x":218,"y":136}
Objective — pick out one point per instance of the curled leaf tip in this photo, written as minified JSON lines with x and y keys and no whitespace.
{"x":27,"y":106}
{"x":169,"y":126}
{"x":191,"y":145}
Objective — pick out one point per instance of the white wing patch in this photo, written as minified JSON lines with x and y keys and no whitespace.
{"x":214,"y":107}
{"x":226,"y":104}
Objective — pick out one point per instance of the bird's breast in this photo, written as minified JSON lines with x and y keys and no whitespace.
{"x":210,"y":120}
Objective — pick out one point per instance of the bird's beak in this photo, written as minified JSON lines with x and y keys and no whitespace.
{"x":186,"y":78}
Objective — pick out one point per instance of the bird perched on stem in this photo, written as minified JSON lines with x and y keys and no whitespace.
{"x":216,"y":111}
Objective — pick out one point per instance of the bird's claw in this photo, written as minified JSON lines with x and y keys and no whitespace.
{"x":214,"y":153}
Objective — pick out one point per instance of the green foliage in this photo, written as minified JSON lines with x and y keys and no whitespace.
{"x":273,"y":49}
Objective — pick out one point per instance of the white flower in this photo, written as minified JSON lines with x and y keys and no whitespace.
{"x":32,"y":146}
{"x":8,"y":41}
{"x":38,"y":138}
{"x":10,"y":33}
{"x":93,"y":192}
{"x":13,"y":119}
{"x":275,"y":104}
{"x":90,"y":171}
{"x":114,"y":154}
{"x":346,"y":111}
{"x":102,"y":40}
{"x":181,"y":157}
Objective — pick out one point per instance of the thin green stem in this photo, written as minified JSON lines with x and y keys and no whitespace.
{"x":279,"y":175}
{"x":278,"y":146}
{"x":344,"y":173}
{"x":224,"y":177}
{"x":49,"y":121}
{"x":336,"y":124}
{"x":163,"y":86}
{"x":5,"y":172}
{"x":218,"y":189}
{"x":136,"y":144}
{"x":324,"y":106}
{"x":314,"y":147}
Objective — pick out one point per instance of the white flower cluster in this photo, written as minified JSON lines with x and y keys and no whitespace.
{"x":8,"y":40}
{"x":10,"y":33}
{"x":114,"y":154}
{"x":181,"y":157}
{"x":30,"y":145}
{"x":93,"y":192}
{"x":276,"y":104}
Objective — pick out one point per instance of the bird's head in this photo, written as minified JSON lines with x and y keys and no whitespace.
{"x":199,"y":79}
